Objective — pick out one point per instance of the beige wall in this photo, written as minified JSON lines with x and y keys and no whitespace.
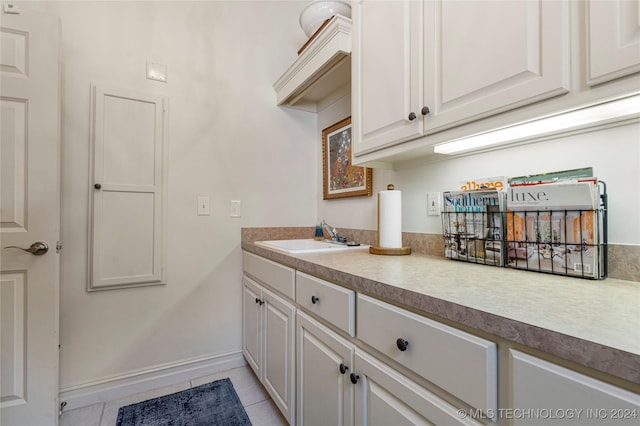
{"x":227,"y":140}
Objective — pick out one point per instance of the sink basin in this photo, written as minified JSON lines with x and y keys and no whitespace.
{"x":307,"y":246}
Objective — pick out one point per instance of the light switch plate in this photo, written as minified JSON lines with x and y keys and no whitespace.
{"x":433,"y":203}
{"x":235,"y":208}
{"x":203,"y":206}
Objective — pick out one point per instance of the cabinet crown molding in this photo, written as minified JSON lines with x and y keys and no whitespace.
{"x":320,"y":70}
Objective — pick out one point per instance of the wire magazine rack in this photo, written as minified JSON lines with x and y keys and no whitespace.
{"x":570,"y":242}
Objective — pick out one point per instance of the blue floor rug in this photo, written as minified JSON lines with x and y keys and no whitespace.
{"x":215,"y":403}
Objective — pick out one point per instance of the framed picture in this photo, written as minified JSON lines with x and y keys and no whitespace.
{"x":340,"y":178}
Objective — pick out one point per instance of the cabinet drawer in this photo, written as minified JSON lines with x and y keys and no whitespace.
{"x":332,"y":303}
{"x":458,"y":362}
{"x":541,"y":385}
{"x":275,"y":275}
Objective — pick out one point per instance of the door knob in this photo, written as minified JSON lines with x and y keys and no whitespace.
{"x":354,"y":378}
{"x":402,"y":344}
{"x":37,"y":249}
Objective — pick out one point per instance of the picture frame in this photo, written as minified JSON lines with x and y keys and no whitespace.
{"x":341,"y":178}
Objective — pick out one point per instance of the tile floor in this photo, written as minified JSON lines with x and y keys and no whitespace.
{"x":256,"y":401}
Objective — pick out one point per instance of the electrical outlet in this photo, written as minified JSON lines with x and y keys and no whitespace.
{"x":203,"y":206}
{"x":433,"y":203}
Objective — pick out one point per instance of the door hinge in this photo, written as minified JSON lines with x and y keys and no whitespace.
{"x":58,"y":246}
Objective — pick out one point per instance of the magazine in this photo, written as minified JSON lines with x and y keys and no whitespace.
{"x":553,"y":227}
{"x":563,"y":175}
{"x":473,"y":226}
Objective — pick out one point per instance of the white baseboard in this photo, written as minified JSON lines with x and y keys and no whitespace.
{"x":151,"y":378}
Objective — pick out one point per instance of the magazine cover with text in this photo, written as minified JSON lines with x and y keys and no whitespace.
{"x":473,"y":226}
{"x":553,"y":227}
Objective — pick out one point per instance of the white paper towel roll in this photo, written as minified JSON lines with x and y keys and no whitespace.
{"x":390,"y":219}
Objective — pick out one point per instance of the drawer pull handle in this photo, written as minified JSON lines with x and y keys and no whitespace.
{"x":402,"y":344}
{"x":314,"y":299}
{"x":343,"y":368}
{"x":354,"y":378}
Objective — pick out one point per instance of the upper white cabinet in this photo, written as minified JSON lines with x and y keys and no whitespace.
{"x":432,"y":71}
{"x":386,"y":66}
{"x":613,"y":39}
{"x":321,"y":72}
{"x":438,"y":64}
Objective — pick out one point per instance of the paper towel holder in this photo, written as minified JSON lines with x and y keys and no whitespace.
{"x":389,"y":251}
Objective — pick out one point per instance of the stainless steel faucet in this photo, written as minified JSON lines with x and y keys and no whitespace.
{"x":333,"y":233}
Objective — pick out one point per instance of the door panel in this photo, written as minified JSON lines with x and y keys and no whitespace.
{"x":13,"y":155}
{"x":128,"y":189}
{"x":29,"y":212}
{"x":279,"y":352}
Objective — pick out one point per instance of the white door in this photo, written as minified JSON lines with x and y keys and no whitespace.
{"x":324,"y":361}
{"x":386,"y":73}
{"x":29,"y":217}
{"x":278,"y":374}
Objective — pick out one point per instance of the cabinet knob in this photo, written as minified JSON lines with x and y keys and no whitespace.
{"x":257,"y":300}
{"x":315,"y":299}
{"x":412,"y":116}
{"x":343,"y":368}
{"x":354,"y":378}
{"x":402,"y":344}
{"x":425,"y":110}
{"x":97,"y":186}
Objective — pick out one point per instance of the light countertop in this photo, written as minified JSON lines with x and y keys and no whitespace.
{"x":595,"y":323}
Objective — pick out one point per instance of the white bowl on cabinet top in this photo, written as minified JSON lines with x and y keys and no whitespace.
{"x":318,"y":11}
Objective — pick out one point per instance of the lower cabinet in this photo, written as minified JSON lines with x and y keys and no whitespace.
{"x":325,"y":362}
{"x":268,"y":337}
{"x":383,"y":396}
{"x":548,"y":394}
{"x":299,"y":336}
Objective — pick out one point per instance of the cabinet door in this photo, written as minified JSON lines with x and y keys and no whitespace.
{"x":613,"y":39}
{"x":386,"y":77}
{"x":385,"y":397}
{"x":252,"y":325}
{"x":554,"y":395}
{"x":278,"y":375}
{"x":485,"y":57}
{"x":324,"y":391}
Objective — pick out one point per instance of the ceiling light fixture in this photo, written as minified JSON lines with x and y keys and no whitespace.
{"x":608,"y":112}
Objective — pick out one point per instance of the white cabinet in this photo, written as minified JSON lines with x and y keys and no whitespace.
{"x":421,"y":67}
{"x":324,"y":364}
{"x":433,"y":350}
{"x":385,"y":73}
{"x":328,"y":301}
{"x":268,"y":343}
{"x":554,"y":395}
{"x":613,"y":39}
{"x":385,"y":397}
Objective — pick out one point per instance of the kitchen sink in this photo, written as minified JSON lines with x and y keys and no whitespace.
{"x":308,"y":246}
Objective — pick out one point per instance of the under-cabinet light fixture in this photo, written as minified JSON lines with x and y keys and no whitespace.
{"x":608,"y":112}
